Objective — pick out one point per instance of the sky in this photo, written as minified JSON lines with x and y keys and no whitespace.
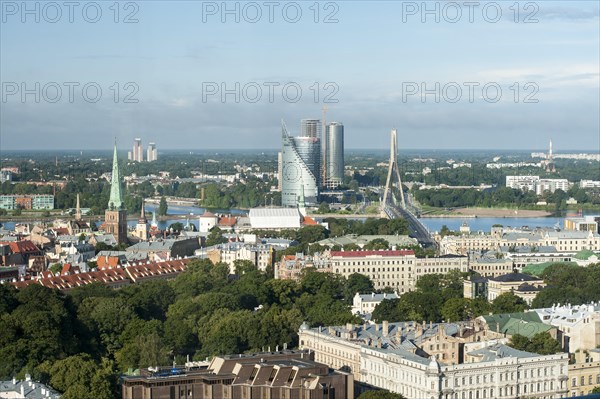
{"x":204,"y":75}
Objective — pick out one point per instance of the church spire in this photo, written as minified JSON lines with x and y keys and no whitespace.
{"x":78,"y":209}
{"x":154,"y":222}
{"x":116,"y":200}
{"x":143,"y":212}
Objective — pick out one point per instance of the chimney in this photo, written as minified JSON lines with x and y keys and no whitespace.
{"x":376,"y":327}
{"x":384,"y":328}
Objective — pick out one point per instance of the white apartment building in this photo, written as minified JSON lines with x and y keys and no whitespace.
{"x":580,"y":325}
{"x":366,"y":303}
{"x":589,"y":184}
{"x":551,"y":185}
{"x":465,"y":243}
{"x":571,"y":241}
{"x":394,"y":357}
{"x":534,"y":183}
{"x":522,"y":182}
{"x":398,"y":269}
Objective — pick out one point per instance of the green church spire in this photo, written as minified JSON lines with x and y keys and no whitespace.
{"x":116,"y":200}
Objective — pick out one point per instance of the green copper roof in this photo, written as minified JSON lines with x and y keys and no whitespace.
{"x":116,"y":200}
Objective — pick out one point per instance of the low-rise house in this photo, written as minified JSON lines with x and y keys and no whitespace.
{"x":522,"y":285}
{"x":17,"y":252}
{"x":280,"y":374}
{"x":580,"y":324}
{"x":26,"y":389}
{"x":107,"y":239}
{"x":527,"y":324}
{"x":584,"y":372}
{"x":166,"y":249}
{"x":489,"y":266}
{"x":291,"y":267}
{"x":362,"y":240}
{"x":363,"y":304}
{"x":421,"y":361}
{"x":110,"y":259}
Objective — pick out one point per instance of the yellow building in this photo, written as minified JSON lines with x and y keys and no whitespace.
{"x":584,"y":374}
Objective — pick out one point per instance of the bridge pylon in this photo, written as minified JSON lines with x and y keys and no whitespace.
{"x":393,"y":169}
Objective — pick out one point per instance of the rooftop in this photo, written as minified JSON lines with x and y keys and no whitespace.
{"x":360,"y":254}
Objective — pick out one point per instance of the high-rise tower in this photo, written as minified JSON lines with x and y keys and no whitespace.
{"x":115,"y":217}
{"x":301,"y":168}
{"x":393,"y":166}
{"x":138,"y":150}
{"x":310,"y":128}
{"x":334,"y":160}
{"x":550,"y":166}
{"x":151,"y":155}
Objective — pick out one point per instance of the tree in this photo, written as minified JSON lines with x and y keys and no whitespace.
{"x":55,"y":268}
{"x":457,"y":309}
{"x":324,"y":207}
{"x":380,"y":395}
{"x":377,"y":244}
{"x":357,"y":283}
{"x":596,"y":390}
{"x":79,"y":377}
{"x":541,"y":343}
{"x":508,"y":303}
{"x":177,"y":226}
{"x":163,"y":207}
{"x":389,"y":310}
{"x":215,"y":237}
{"x":243,"y":266}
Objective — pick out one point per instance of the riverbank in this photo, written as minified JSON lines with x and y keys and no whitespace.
{"x":489,"y":212}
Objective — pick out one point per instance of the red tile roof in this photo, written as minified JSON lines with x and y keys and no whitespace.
{"x":359,"y":254}
{"x":227,"y":221}
{"x":112,"y":276}
{"x":107,"y":262}
{"x":61,"y":231}
{"x":166,"y":269}
{"x":21,"y":247}
{"x":308,"y":221}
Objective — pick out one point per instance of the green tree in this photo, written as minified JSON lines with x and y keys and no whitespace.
{"x":324,"y":208}
{"x":357,"y":282}
{"x":380,"y":395}
{"x":541,"y":343}
{"x":243,"y":266}
{"x":457,"y":309}
{"x":215,"y":237}
{"x":377,"y":244}
{"x":389,"y":310}
{"x":55,"y":268}
{"x":177,"y":226}
{"x":508,"y":303}
{"x":163,"y":207}
{"x":79,"y":377}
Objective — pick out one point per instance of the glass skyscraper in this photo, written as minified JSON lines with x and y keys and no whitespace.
{"x":301,"y":167}
{"x":334,"y":159}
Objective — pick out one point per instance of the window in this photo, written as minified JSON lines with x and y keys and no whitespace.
{"x":254,"y":372}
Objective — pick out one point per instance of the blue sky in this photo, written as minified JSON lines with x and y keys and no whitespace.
{"x":374,"y":54}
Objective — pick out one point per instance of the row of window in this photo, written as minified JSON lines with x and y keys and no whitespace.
{"x":582,"y":380}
